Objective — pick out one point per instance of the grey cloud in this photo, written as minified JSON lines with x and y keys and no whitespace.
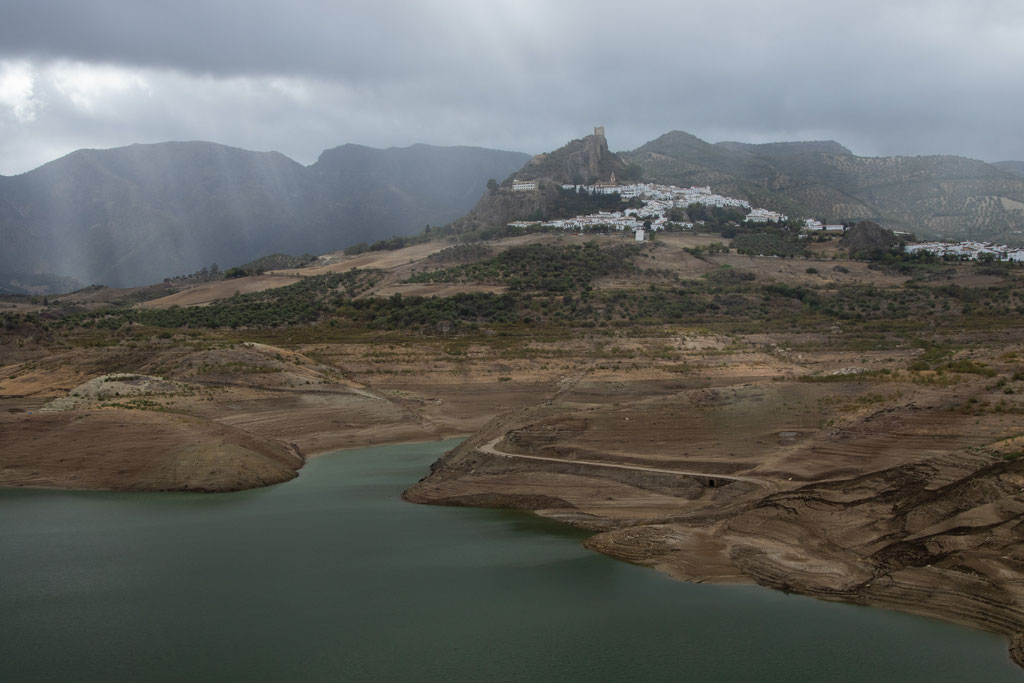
{"x":892,"y":77}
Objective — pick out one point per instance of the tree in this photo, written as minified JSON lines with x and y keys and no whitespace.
{"x":492,"y":185}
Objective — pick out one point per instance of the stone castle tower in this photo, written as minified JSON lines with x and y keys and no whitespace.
{"x":599,"y":130}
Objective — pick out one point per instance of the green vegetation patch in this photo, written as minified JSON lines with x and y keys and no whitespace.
{"x":265,"y":263}
{"x":552,"y":268}
{"x":397,"y":311}
{"x":968,"y":366}
{"x":462,"y":253}
{"x":769,"y":244}
{"x":296,"y":304}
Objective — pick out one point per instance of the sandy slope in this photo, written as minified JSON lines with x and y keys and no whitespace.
{"x":136,"y":450}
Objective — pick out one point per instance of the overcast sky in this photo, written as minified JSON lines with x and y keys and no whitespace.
{"x":881,"y":77}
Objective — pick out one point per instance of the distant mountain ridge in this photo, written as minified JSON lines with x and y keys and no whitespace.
{"x":933,"y":196}
{"x":1016,"y":167}
{"x":136,"y":214}
{"x":786,"y":149}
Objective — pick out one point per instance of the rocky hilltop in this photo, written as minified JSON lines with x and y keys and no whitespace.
{"x":931,"y":196}
{"x":583,"y":161}
{"x":580,"y":162}
{"x":867,"y":237}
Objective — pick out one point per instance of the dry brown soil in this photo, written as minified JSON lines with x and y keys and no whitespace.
{"x":207,"y":292}
{"x":782,"y":458}
{"x":889,"y":490}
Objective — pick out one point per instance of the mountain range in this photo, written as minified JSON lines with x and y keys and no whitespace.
{"x":135,"y":214}
{"x":931,"y":196}
{"x":1016,"y":167}
{"x":937,"y":196}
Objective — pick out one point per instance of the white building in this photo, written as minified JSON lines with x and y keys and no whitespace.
{"x":969,"y":250}
{"x":523,"y":185}
{"x":811,"y":225}
{"x":764,"y":216}
{"x":657,"y":201}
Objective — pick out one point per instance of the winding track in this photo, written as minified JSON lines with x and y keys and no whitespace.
{"x":491,"y":449}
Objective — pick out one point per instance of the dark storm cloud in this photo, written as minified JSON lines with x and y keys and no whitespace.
{"x":881,"y":77}
{"x":353,"y":41}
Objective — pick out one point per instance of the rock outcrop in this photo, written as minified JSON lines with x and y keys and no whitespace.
{"x":867,"y":237}
{"x":580,"y":162}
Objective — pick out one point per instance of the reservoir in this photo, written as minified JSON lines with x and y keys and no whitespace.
{"x":332,"y":577}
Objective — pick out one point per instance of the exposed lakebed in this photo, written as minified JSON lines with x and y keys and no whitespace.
{"x":331,"y":576}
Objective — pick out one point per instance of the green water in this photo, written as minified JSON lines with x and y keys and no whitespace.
{"x":332,"y":577}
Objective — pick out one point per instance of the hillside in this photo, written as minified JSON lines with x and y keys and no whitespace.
{"x":398,"y":191}
{"x":825,"y":426}
{"x":137,"y":214}
{"x":1016,"y":167}
{"x":932,"y":196}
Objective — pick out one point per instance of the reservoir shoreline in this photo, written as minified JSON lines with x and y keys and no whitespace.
{"x":354,"y":582}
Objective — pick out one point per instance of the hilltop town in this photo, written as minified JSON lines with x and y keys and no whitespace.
{"x":659,"y":200}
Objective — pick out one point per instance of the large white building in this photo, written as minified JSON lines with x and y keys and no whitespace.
{"x":764,"y":216}
{"x":523,"y":185}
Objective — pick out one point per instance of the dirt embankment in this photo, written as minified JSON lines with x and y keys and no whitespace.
{"x":181,"y":414}
{"x":208,"y":292}
{"x":135,"y":450}
{"x":895,"y":494}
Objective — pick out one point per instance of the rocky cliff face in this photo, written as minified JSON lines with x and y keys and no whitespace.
{"x":580,"y":162}
{"x":501,"y":206}
{"x":868,"y":236}
{"x":584,"y":161}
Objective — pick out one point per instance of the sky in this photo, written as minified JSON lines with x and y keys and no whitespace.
{"x":883,"y":78}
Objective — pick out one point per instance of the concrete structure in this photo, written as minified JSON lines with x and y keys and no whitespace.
{"x":523,"y":185}
{"x":811,"y":225}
